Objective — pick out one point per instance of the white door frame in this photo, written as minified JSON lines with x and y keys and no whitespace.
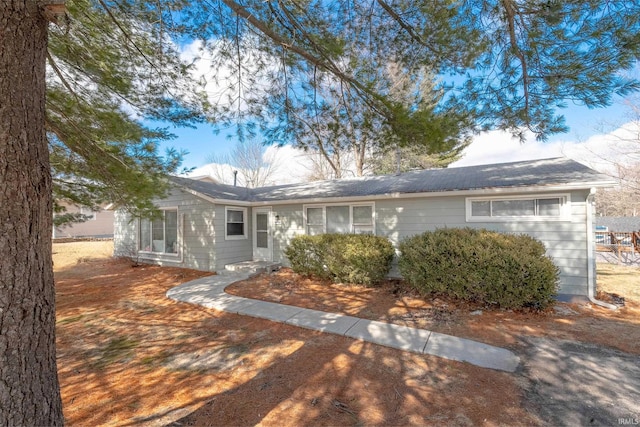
{"x":262,"y":254}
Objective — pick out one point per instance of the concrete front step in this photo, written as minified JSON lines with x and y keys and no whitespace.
{"x":251,"y":267}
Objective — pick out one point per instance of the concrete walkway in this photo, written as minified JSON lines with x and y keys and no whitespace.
{"x":209,"y":292}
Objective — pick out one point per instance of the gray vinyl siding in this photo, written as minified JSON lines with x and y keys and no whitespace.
{"x":398,"y":219}
{"x":231,"y":251}
{"x":196,"y":234}
{"x":291,"y":224}
{"x":566,"y":241}
{"x":125,"y":243}
{"x":201,"y":234}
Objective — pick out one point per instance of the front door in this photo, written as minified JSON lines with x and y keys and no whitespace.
{"x":262,"y":238}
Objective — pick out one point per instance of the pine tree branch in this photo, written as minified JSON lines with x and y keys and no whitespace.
{"x":308,"y":37}
{"x":405,"y":26}
{"x":126,"y":34}
{"x":85,"y":150}
{"x":61,"y":76}
{"x":510,"y":9}
{"x":239,"y":57}
{"x":369,"y":98}
{"x":134,"y":44}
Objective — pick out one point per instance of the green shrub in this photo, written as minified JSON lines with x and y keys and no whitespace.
{"x":306,"y":255}
{"x":504,"y":270}
{"x":354,"y":258}
{"x":359,"y":258}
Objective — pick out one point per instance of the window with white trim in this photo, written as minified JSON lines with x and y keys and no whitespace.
{"x":315,"y":220}
{"x":547,"y":207}
{"x":159,"y":235}
{"x":339,"y":218}
{"x":235,"y":223}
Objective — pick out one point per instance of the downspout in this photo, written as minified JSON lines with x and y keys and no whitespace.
{"x":591,"y":262}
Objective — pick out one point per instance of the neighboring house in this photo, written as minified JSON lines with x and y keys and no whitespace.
{"x":206,"y":226}
{"x":618,"y":234}
{"x":621,"y":224}
{"x":204,"y":178}
{"x":100,"y":225}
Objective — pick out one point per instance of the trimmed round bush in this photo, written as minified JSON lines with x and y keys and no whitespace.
{"x":352,"y":258}
{"x":306,"y":256}
{"x":503,"y":270}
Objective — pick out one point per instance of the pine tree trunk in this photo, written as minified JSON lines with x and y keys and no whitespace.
{"x":29,"y":390}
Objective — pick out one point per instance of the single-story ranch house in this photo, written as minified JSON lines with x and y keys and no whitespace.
{"x":206,"y":225}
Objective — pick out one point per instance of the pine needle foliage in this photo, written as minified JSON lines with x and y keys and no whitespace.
{"x":322,"y":75}
{"x":110,"y":68}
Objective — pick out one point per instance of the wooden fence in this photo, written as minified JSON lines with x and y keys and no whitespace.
{"x":618,"y":247}
{"x":618,"y":241}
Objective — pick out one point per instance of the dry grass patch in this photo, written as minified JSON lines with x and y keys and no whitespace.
{"x":69,"y":253}
{"x":620,"y":280}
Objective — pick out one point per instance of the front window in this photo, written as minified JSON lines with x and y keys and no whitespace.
{"x":315,"y":221}
{"x":363,"y":219}
{"x":513,"y":207}
{"x":532,"y":208}
{"x":236,"y":227}
{"x":160,"y":235}
{"x":339,"y":219}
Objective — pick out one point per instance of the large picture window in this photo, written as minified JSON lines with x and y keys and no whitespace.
{"x":505,"y":208}
{"x":236,"y":225}
{"x":160,"y":235}
{"x":339,"y":218}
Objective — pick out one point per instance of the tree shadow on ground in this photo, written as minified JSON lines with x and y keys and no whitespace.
{"x":574,"y":383}
{"x":127,"y":355}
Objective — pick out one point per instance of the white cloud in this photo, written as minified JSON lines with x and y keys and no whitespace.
{"x":599,"y":151}
{"x":221,"y":77}
{"x":292,"y":165}
{"x":500,"y":147}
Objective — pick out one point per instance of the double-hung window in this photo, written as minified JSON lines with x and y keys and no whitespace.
{"x":235,"y":223}
{"x":160,"y":235}
{"x":315,"y":220}
{"x":339,"y":218}
{"x":362,"y":219}
{"x":551,"y":207}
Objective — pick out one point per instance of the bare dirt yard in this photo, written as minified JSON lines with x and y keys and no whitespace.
{"x":129,"y":356}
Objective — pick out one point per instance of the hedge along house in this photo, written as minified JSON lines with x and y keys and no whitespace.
{"x":207,"y":226}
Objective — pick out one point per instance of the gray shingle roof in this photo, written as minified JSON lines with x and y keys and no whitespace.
{"x":546,"y":172}
{"x":622,"y":224}
{"x":214,"y":190}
